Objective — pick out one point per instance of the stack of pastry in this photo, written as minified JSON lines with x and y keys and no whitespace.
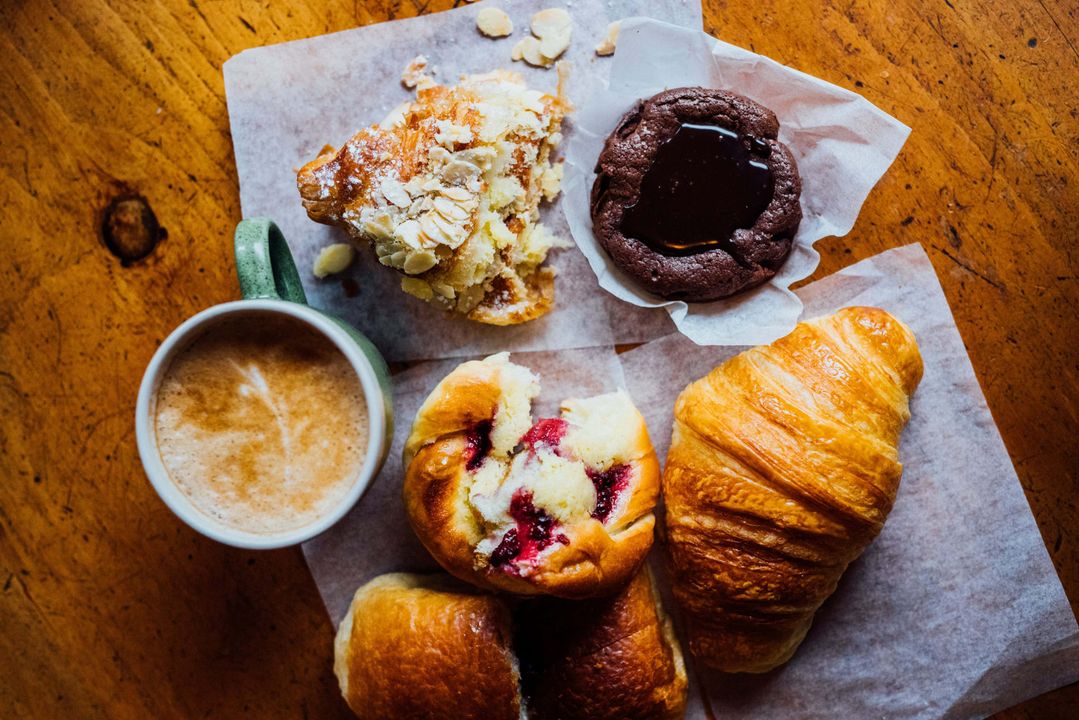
{"x":782,"y":469}
{"x":559,"y":507}
{"x":416,"y":647}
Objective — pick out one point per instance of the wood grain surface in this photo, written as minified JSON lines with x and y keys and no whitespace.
{"x":112,"y":608}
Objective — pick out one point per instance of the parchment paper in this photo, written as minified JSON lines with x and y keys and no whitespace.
{"x":843,"y":144}
{"x":955,"y":611}
{"x":286,"y":101}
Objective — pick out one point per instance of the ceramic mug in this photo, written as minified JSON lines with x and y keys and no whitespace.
{"x":269,"y":283}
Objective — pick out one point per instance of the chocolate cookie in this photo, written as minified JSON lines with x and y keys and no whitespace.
{"x":694,"y":197}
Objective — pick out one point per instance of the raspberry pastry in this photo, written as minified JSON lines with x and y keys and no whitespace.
{"x":561,"y":506}
{"x":447,"y":190}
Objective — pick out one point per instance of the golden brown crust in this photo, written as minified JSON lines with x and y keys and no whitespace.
{"x":599,"y":556}
{"x":516,"y":300}
{"x":412,"y":649}
{"x":610,"y":658}
{"x":782,"y":469}
{"x":367,"y":156}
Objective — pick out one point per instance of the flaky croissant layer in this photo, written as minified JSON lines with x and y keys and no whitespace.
{"x":783,"y":468}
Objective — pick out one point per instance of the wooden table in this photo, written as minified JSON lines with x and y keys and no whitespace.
{"x":112,"y":608}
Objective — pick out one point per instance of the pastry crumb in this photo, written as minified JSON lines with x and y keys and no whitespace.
{"x":551,"y":32}
{"x":333,"y":259}
{"x":493,"y":22}
{"x":528,"y":49}
{"x":553,"y":27}
{"x":415,"y":72}
{"x":607,"y":45}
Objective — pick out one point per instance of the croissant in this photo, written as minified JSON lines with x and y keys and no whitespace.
{"x":782,"y":469}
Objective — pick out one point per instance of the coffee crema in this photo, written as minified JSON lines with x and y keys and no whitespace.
{"x":262,"y":423}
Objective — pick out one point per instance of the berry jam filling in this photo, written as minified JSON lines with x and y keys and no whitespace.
{"x":478,"y":444}
{"x":609,"y":483}
{"x":547,"y":432}
{"x":533,"y":534}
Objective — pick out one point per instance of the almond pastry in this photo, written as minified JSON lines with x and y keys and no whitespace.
{"x":447,"y":189}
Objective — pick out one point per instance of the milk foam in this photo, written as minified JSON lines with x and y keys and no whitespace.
{"x":262,"y":423}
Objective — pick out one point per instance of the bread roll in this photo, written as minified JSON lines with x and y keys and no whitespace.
{"x":782,"y":469}
{"x":562,"y":506}
{"x":414,"y":647}
{"x":614,"y":658}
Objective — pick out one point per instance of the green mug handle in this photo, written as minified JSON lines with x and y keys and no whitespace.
{"x":264,"y":264}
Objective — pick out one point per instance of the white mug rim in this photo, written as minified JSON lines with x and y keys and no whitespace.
{"x":179,"y":503}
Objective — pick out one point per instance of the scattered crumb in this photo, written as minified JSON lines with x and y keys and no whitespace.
{"x":553,"y":27}
{"x":493,"y":22}
{"x":607,"y":45}
{"x":528,"y":49}
{"x":333,"y":259}
{"x":551,"y":32}
{"x":415,"y":72}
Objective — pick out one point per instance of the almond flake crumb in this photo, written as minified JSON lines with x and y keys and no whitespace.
{"x":333,"y":259}
{"x":493,"y":22}
{"x":607,"y":45}
{"x":553,"y":27}
{"x":551,"y":32}
{"x":415,"y":72}
{"x":528,"y":49}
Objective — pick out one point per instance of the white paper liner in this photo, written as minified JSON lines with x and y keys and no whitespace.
{"x":843,"y":144}
{"x":286,"y":101}
{"x":955,"y":611}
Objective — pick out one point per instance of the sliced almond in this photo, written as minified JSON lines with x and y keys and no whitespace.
{"x":494,"y":22}
{"x":395,"y":192}
{"x":551,"y":21}
{"x":408,"y":233}
{"x":417,"y":287}
{"x":420,"y":262}
{"x":379,"y":225}
{"x":437,"y":232}
{"x":444,"y":289}
{"x":450,"y":210}
{"x":457,"y":194}
{"x":333,"y":259}
{"x":607,"y":45}
{"x":552,"y":46}
{"x":553,"y":27}
{"x":528,"y":49}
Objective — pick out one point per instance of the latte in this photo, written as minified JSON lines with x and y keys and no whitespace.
{"x":262,"y":423}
